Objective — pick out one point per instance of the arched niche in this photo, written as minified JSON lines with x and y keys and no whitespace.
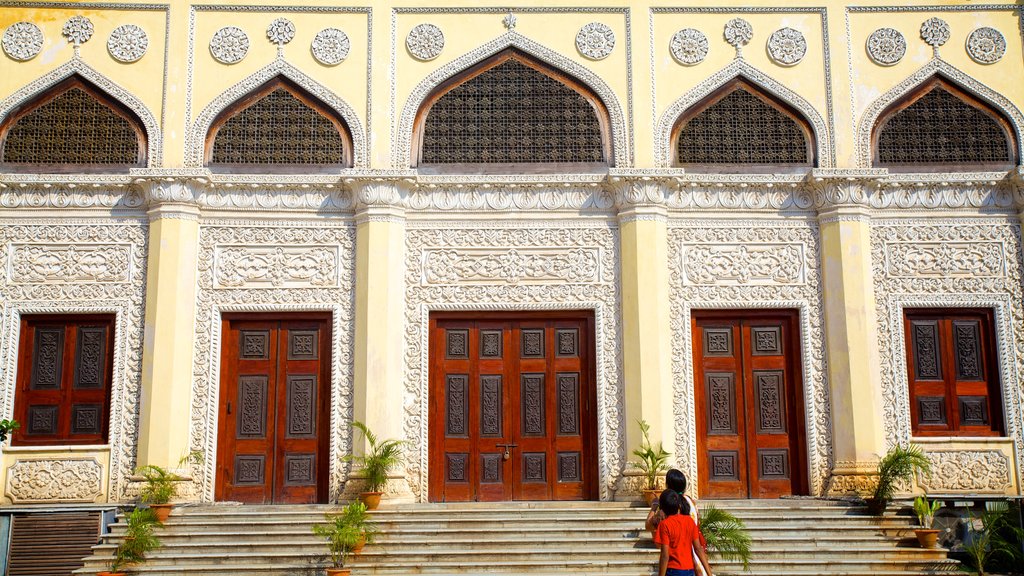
{"x":72,"y":126}
{"x":512,"y":111}
{"x":278,"y":127}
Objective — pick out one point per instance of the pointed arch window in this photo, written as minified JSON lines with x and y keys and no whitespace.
{"x":740,"y":128}
{"x":74,"y":126}
{"x":278,"y":128}
{"x":512,"y":109}
{"x":939,"y":127}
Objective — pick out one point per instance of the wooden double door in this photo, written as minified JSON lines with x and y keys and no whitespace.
{"x":512,"y":407}
{"x":750,"y":419}
{"x":274,"y":418}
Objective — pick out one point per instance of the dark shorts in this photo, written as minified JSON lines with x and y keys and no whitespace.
{"x":676,"y":572}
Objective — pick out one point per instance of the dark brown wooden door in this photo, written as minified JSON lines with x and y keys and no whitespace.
{"x":749,"y":409}
{"x":512,"y":407}
{"x":274,"y":400}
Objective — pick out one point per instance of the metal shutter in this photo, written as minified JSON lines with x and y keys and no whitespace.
{"x":51,"y":544}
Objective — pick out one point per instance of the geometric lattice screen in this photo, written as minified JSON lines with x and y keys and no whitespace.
{"x":940,"y":128}
{"x":73,"y":128}
{"x":511,"y":113}
{"x":741,"y":129}
{"x":279,"y":129}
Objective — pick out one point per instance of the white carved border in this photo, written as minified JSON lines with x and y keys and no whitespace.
{"x":1003,"y":295}
{"x":941,"y":68}
{"x":601,"y":297}
{"x":195,"y":140}
{"x":76,"y":66}
{"x":806,"y":298}
{"x":740,"y":69}
{"x":125,"y":301}
{"x":402,"y":153}
{"x":213,"y":302}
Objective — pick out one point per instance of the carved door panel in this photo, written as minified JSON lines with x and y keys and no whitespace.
{"x":511,"y":408}
{"x":749,"y":416}
{"x":273,"y":410}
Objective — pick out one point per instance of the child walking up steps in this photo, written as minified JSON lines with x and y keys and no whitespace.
{"x":678,"y":538}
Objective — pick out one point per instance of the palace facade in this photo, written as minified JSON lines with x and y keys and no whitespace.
{"x":787,"y":237}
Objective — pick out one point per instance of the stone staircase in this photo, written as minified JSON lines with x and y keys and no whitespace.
{"x":790,"y":537}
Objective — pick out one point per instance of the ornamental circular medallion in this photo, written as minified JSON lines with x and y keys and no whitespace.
{"x":78,"y":29}
{"x":425,"y":41}
{"x":787,"y":46}
{"x":935,"y":32}
{"x":281,"y":31}
{"x":330,"y":46}
{"x":127,"y":43}
{"x":595,"y":41}
{"x":738,"y":32}
{"x":22,"y":41}
{"x":986,"y":45}
{"x":886,"y":46}
{"x":229,"y":45}
{"x":689,"y":46}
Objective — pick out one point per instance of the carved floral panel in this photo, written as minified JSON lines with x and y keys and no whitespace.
{"x":55,"y":263}
{"x":65,"y":480}
{"x":944,"y":259}
{"x":519,"y":265}
{"x":276,"y":266}
{"x":718,"y":264}
{"x":982,"y":471}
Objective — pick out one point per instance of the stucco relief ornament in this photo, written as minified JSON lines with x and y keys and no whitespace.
{"x":689,"y":46}
{"x":935,"y":32}
{"x":787,"y":46}
{"x":330,"y":46}
{"x":78,"y":30}
{"x":986,"y":45}
{"x":886,"y":46}
{"x":595,"y":41}
{"x":281,"y":31}
{"x":738,"y":33}
{"x":425,"y":41}
{"x":229,"y":45}
{"x":22,"y":41}
{"x":127,"y":43}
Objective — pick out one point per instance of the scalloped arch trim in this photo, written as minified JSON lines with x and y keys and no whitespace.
{"x":77,"y":67}
{"x":279,"y":67}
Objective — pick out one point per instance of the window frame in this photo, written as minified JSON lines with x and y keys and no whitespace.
{"x":67,"y":396}
{"x":948,"y":384}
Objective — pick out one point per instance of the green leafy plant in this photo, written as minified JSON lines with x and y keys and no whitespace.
{"x":925,"y":511}
{"x":997,"y":539}
{"x":357,"y":515}
{"x":652,"y":459}
{"x":898,"y":467}
{"x":138,"y":540}
{"x":6,"y":427}
{"x":726,"y":535}
{"x":343,"y":531}
{"x":161,"y":485}
{"x":381,"y":458}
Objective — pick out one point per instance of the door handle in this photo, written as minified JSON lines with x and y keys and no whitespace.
{"x":229,"y":407}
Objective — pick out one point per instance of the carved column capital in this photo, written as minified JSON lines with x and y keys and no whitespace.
{"x":170,"y":197}
{"x":639,"y":197}
{"x":379,"y":199}
{"x":844,"y":194}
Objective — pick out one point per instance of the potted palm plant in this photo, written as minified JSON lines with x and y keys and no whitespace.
{"x":379,"y":460}
{"x":898,"y":467}
{"x":926,"y":537}
{"x":358,"y":516}
{"x":161,"y":485}
{"x":652,"y":461}
{"x":726,"y":535}
{"x":138,"y":541}
{"x":342,"y":534}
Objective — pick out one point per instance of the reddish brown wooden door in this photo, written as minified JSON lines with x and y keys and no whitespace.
{"x":274,"y":399}
{"x":512,"y":407}
{"x":749,"y":409}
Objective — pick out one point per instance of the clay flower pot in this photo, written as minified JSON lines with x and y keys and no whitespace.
{"x":339,"y":572}
{"x":161,"y":511}
{"x":371,"y":499}
{"x":927,"y":538}
{"x":360,"y":544}
{"x":651,"y":495}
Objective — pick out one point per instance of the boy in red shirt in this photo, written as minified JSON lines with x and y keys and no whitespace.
{"x":678,"y":538}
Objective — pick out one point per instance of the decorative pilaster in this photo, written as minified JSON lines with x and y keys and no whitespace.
{"x":646,"y":331}
{"x":851,"y":340}
{"x":1016,"y":178}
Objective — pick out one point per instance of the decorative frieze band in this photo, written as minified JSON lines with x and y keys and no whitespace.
{"x":519,"y":265}
{"x":968,"y":472}
{"x":69,"y":264}
{"x":55,"y":480}
{"x":743,"y":264}
{"x":276,"y":267}
{"x":945,"y":259}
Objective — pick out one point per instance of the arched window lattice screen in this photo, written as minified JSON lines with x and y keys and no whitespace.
{"x":72,"y":128}
{"x":512,"y":114}
{"x":940,"y":128}
{"x":740,"y":128}
{"x":279,"y":129}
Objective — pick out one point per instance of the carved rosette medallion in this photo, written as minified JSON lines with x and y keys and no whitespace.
{"x":595,"y":41}
{"x":78,"y":30}
{"x":425,"y":42}
{"x":689,"y":46}
{"x":127,"y":43}
{"x":787,"y":46}
{"x":229,"y":45}
{"x":22,"y":41}
{"x":986,"y":45}
{"x":330,"y":46}
{"x":738,"y":33}
{"x":935,"y":32}
{"x":886,"y":46}
{"x":71,"y":480}
{"x":281,"y":31}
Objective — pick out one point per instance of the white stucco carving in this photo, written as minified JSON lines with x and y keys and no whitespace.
{"x":68,"y":264}
{"x":743,"y":264}
{"x":59,"y":480}
{"x":276,"y":266}
{"x":516,"y":265}
{"x":968,"y":472}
